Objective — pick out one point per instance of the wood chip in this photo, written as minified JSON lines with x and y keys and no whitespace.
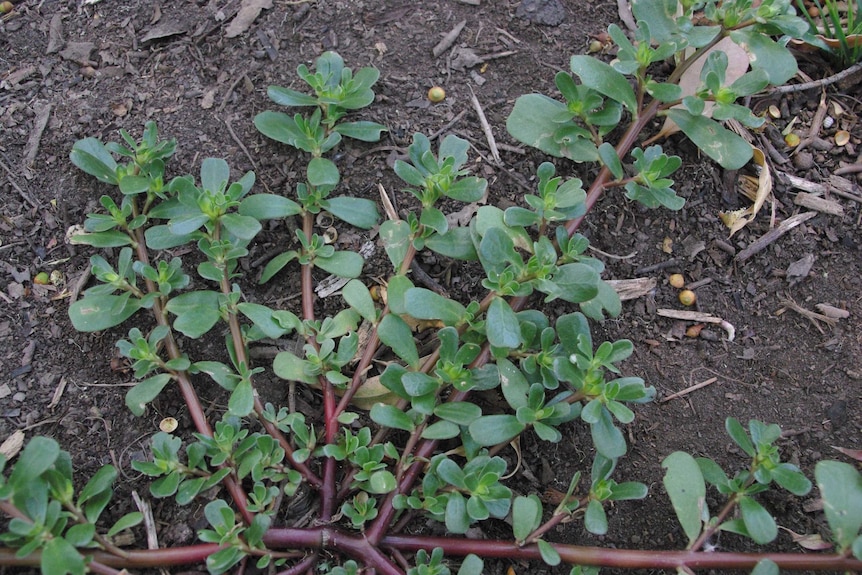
{"x":248,"y":13}
{"x":818,"y":203}
{"x":12,"y":445}
{"x":632,"y":288}
{"x":762,"y":242}
{"x":55,"y":35}
{"x":448,"y":39}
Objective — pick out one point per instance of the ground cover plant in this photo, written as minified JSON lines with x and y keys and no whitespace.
{"x":430,"y":448}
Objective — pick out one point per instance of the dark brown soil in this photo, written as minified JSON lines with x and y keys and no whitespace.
{"x":116,"y":65}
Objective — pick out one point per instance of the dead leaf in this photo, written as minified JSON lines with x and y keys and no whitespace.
{"x":852,"y":453}
{"x":248,"y":13}
{"x":738,"y":219}
{"x":209,"y":99}
{"x":812,"y":541}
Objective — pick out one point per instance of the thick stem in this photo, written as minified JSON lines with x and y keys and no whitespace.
{"x":626,"y":558}
{"x":196,"y":410}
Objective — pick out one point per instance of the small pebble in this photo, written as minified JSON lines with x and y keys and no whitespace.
{"x":803,"y":161}
{"x":19,"y":397}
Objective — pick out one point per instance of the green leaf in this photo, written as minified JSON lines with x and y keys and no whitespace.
{"x":322,"y":172}
{"x":343,"y":264}
{"x":358,"y":212}
{"x":526,"y":516}
{"x":39,"y":455}
{"x":91,"y":156}
{"x":162,"y":238}
{"x":456,"y":243}
{"x":214,"y":174}
{"x":268,"y":207}
{"x":382,"y":481}
{"x":97,"y":313}
{"x":531,"y":122}
{"x":394,"y":332}
{"x":363,"y":130}
{"x":758,"y":522}
{"x":288,"y":97}
{"x":242,"y":227}
{"x":610,"y":159}
{"x":549,"y":555}
{"x":395,"y":235}
{"x":765,"y":567}
{"x":278,"y":126}
{"x":456,"y":517}
{"x":292,"y":368}
{"x":471,"y":565}
{"x":106,"y":239}
{"x":766,"y":54}
{"x":241,"y":400}
{"x":262,"y":317}
{"x":468,"y":190}
{"x":684,"y":483}
{"x":720,"y":144}
{"x":127,"y":521}
{"x":397,"y":288}
{"x":502,"y":325}
{"x":607,"y":438}
{"x":425,"y":304}
{"x":441,"y":430}
{"x":197,"y":312}
{"x":276,"y":264}
{"x":145,"y":391}
{"x":493,"y":429}
{"x":602,"y":78}
{"x":738,"y":434}
{"x":790,"y":478}
{"x":359,"y":298}
{"x":102,"y":480}
{"x":59,"y":557}
{"x":459,"y":412}
{"x":80,"y":535}
{"x":595,"y":519}
{"x":391,"y":416}
{"x":433,"y":218}
{"x":840,"y":486}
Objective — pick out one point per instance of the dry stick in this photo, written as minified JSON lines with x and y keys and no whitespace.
{"x":689,"y":389}
{"x":486,"y":127}
{"x":18,"y":189}
{"x":817,"y":83}
{"x":762,"y":242}
{"x":829,"y":188}
{"x":43,"y":113}
{"x":448,"y":39}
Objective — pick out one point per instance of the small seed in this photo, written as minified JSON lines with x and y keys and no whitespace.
{"x":436,"y":94}
{"x":774,"y":111}
{"x":813,"y":11}
{"x":57,"y":278}
{"x":168,"y":425}
{"x":694,"y":331}
{"x":595,"y":46}
{"x":676,"y":280}
{"x":330,"y":235}
{"x":6,"y":7}
{"x":791,"y":139}
{"x":42,"y":279}
{"x":687,"y":297}
{"x":842,"y":137}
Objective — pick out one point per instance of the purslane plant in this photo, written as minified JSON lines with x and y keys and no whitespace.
{"x":372,"y":473}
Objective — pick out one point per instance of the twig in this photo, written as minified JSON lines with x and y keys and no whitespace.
{"x":43,"y":113}
{"x":686,"y":315}
{"x":486,"y":127}
{"x":22,"y":193}
{"x":762,"y":242}
{"x":816,"y":124}
{"x":448,"y":39}
{"x":149,"y":523}
{"x":689,"y":389}
{"x":448,"y":125}
{"x":817,"y":83}
{"x":239,"y":143}
{"x":812,"y":316}
{"x":851,"y":169}
{"x":612,"y":256}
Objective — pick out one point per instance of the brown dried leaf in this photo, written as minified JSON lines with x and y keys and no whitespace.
{"x":738,"y":219}
{"x":852,"y":453}
{"x":12,"y":445}
{"x":248,"y":13}
{"x":812,"y":541}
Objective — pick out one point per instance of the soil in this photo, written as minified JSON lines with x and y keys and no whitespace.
{"x":90,"y":68}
